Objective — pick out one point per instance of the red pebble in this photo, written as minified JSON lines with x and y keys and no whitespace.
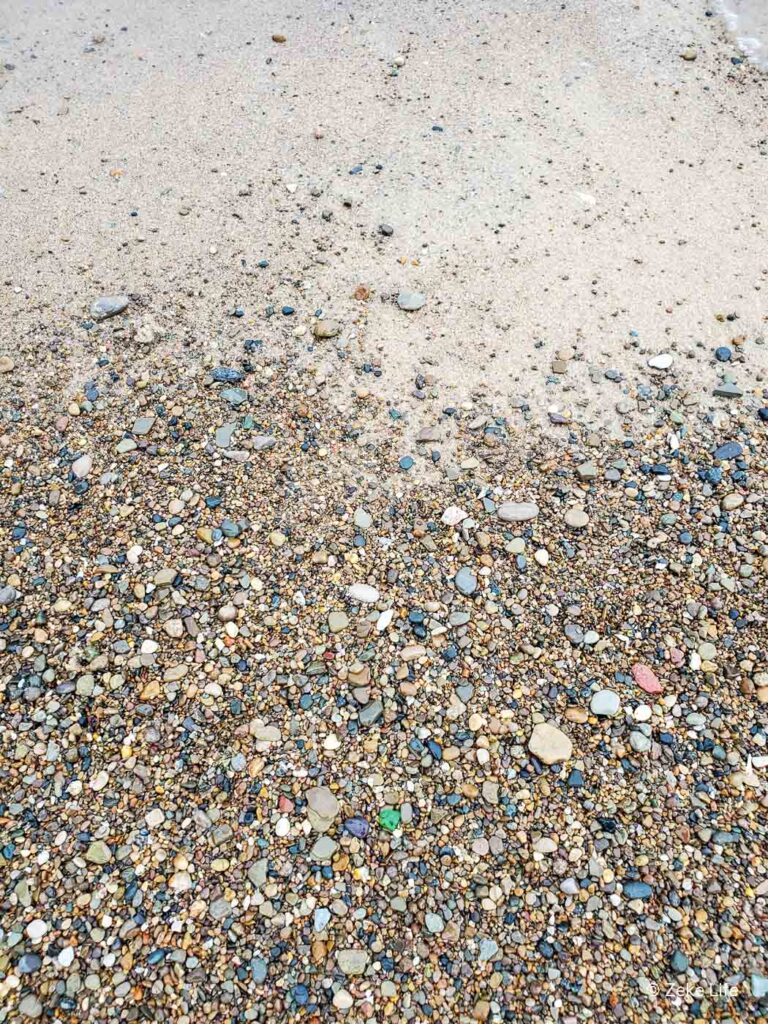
{"x":284,"y":804}
{"x":646,"y":679}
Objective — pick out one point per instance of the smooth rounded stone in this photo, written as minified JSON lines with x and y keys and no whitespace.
{"x":323,"y":807}
{"x":576,"y":518}
{"x":338,"y":621}
{"x":453,"y":515}
{"x":82,"y":467}
{"x":30,"y":1006}
{"x":637,"y":890}
{"x":29,"y":963}
{"x":541,"y":556}
{"x":642,"y":713}
{"x":362,"y":593}
{"x":732,"y":501}
{"x":465,"y":581}
{"x":574,"y":633}
{"x":549,"y":744}
{"x":640,"y":742}
{"x":411,"y":301}
{"x":108,"y":305}
{"x":352,"y":961}
{"x":517,"y":511}
{"x":8,"y":595}
{"x":324,"y":848}
{"x":343,"y":1000}
{"x":36,"y":929}
{"x":487,"y":949}
{"x":707,"y":651}
{"x":663,"y":361}
{"x":155,"y":817}
{"x":605,"y":703}
{"x":263,"y":442}
{"x":7,"y":365}
{"x":98,"y":853}
{"x":434,"y":923}
{"x":326,"y":328}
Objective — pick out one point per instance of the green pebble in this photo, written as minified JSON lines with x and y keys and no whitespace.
{"x":389,"y":819}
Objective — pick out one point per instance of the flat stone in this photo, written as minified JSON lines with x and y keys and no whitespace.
{"x":257,"y":872}
{"x":324,"y":848}
{"x":143,"y":425}
{"x":727,"y":389}
{"x":371,"y":713}
{"x":323,"y":807}
{"x":235,"y":396}
{"x":517,"y":511}
{"x":108,"y":305}
{"x":82,"y":467}
{"x":549,"y":744}
{"x":646,"y":678}
{"x":326,"y":329}
{"x":411,"y":301}
{"x":263,"y":442}
{"x":8,"y":595}
{"x":223,"y":435}
{"x":337,"y":621}
{"x":352,"y":961}
{"x":660,"y":362}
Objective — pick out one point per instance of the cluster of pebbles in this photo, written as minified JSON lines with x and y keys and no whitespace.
{"x":299,"y":727}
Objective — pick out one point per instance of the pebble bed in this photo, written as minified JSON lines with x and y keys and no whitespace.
{"x":297,"y":727}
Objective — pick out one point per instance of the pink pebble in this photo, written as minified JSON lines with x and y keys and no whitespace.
{"x":646,"y":679}
{"x":284,"y":804}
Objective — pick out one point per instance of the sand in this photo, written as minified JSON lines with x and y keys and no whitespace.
{"x":555,"y":179}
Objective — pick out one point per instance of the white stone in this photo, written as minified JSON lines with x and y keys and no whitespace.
{"x":82,"y":467}
{"x":660,"y":362}
{"x":363,"y":593}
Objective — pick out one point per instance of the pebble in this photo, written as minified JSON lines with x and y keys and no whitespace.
{"x":280,"y":733}
{"x":549,"y":744}
{"x":82,"y":467}
{"x":517,"y":511}
{"x":362,"y":593}
{"x":107,"y":306}
{"x":465,"y":581}
{"x":576,"y":518}
{"x":411,"y":301}
{"x":605,"y":703}
{"x":663,"y":361}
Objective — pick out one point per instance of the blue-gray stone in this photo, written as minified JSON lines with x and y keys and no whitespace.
{"x":108,"y":305}
{"x":235,"y":396}
{"x":637,"y":890}
{"x":466,"y":581}
{"x":729,"y":450}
